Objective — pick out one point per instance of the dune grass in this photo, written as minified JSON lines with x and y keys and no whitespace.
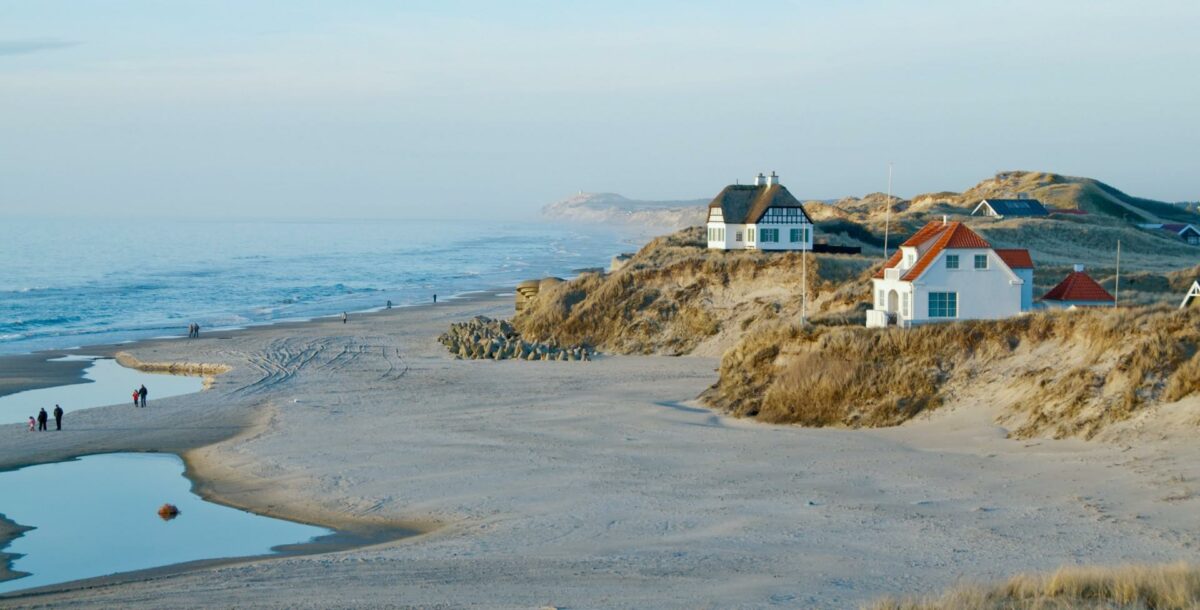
{"x":675,"y":293}
{"x":1064,"y":373}
{"x":1159,"y":587}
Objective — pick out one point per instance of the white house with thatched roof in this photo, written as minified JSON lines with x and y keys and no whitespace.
{"x":762,"y":216}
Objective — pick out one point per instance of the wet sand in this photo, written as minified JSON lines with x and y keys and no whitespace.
{"x":599,"y":484}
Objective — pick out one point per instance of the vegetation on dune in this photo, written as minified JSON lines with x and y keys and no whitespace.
{"x":1162,"y":587}
{"x":1062,"y":373}
{"x":675,"y":294}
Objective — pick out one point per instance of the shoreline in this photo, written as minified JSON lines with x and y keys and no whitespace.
{"x":598,"y":484}
{"x":35,"y":370}
{"x":209,"y":479}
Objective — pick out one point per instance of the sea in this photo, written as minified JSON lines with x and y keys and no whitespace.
{"x":67,"y":283}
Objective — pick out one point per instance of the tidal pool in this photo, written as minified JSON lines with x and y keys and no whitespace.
{"x":109,"y":384}
{"x":97,"y":515}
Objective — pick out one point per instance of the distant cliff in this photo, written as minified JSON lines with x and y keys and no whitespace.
{"x":611,"y":208}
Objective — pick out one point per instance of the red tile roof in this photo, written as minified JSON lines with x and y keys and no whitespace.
{"x":1079,"y":286}
{"x":1015,"y":258}
{"x":947,"y":235}
{"x":955,"y":235}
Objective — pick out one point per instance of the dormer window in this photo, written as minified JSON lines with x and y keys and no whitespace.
{"x":952,"y":261}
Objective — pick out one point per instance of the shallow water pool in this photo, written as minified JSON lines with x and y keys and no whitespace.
{"x":110,"y":384}
{"x":97,"y":515}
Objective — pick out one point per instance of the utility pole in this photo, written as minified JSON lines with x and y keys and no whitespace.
{"x":1117,"y":289}
{"x":804,"y":279}
{"x":887,"y":215}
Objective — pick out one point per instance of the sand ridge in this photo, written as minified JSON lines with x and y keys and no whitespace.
{"x":600,"y":484}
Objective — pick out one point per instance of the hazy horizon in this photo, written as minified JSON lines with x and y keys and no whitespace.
{"x":367,"y":110}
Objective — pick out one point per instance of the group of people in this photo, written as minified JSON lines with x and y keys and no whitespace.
{"x":193,"y":331}
{"x":43,"y":417}
{"x":140,"y":395}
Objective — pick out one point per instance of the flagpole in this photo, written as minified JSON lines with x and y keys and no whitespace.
{"x":887,"y":219}
{"x":1117,"y":289}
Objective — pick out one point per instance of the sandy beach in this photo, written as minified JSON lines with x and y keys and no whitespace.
{"x":597,"y":484}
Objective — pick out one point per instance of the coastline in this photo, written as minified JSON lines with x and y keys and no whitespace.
{"x":212,"y":479}
{"x":594,"y":484}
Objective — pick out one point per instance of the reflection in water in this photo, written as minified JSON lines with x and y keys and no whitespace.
{"x":98,"y":515}
{"x":110,"y":384}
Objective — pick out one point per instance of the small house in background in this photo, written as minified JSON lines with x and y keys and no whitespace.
{"x":1010,"y":208}
{"x":762,"y":216}
{"x":1190,"y":297}
{"x":1185,"y":232}
{"x":1077,"y":290}
{"x":948,"y":272}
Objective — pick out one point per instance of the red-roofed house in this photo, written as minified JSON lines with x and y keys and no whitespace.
{"x":1077,"y":290}
{"x":948,"y":272}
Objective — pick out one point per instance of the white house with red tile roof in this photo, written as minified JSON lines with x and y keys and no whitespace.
{"x":948,"y":272}
{"x":1077,"y":290}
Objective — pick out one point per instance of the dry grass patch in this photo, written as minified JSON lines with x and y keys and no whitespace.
{"x":1165,"y":587}
{"x":1072,"y":373}
{"x":675,"y":294}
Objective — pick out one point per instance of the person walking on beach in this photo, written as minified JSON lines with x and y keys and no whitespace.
{"x":344,"y":317}
{"x":32,"y":424}
{"x":136,"y":395}
{"x":389,"y":305}
{"x":42,"y":418}
{"x":435,"y":299}
{"x":58,"y":413}
{"x":143,"y":392}
{"x":197,"y":326}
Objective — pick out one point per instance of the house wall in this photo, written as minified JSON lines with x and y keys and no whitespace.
{"x":784,"y":242}
{"x":1069,"y":304}
{"x":1026,"y":276}
{"x":731,"y":232}
{"x":983,"y":294}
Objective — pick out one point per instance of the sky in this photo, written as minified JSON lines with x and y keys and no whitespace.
{"x":434,"y":109}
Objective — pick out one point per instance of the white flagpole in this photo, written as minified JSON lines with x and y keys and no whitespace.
{"x":1117,"y":290}
{"x":804,"y":281}
{"x":887,"y":219}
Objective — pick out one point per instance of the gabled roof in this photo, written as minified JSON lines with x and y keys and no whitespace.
{"x":1015,"y":207}
{"x":1079,"y":287}
{"x":1015,"y":258}
{"x":944,"y":236}
{"x":1178,"y":229}
{"x":746,"y":204}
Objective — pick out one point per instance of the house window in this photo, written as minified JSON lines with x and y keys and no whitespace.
{"x":904,"y":300}
{"x":943,"y":304}
{"x":749,"y":234}
{"x":768,"y":235}
{"x":880,"y":301}
{"x":799,"y":235}
{"x":981,"y":261}
{"x":738,"y":236}
{"x":952,"y":261}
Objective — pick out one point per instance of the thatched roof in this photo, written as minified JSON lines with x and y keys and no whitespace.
{"x":746,"y":204}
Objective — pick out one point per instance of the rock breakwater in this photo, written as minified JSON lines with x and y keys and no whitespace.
{"x":485,"y":338}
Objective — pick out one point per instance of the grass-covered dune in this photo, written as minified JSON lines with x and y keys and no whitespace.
{"x":1165,"y":587}
{"x":675,"y":296}
{"x":1066,"y":373}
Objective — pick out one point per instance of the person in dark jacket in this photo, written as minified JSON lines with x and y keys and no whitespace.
{"x":142,"y":393}
{"x":58,"y":413}
{"x":42,"y":417}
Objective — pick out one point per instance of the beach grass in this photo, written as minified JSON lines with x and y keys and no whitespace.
{"x":1132,"y":587}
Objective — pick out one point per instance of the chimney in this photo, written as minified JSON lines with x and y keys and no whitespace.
{"x":1078,"y":268}
{"x":772,"y":179}
{"x":759,"y":180}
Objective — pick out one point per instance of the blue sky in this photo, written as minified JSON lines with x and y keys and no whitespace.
{"x":393,"y":109}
